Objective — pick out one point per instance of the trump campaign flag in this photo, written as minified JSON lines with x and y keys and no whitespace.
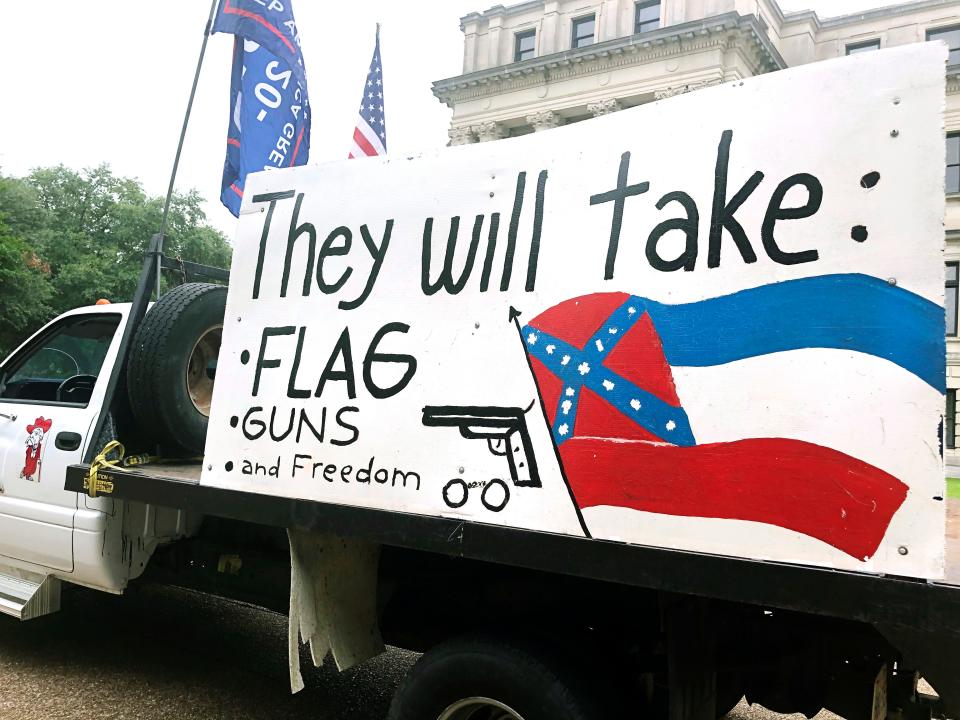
{"x":370,"y":134}
{"x":269,"y":109}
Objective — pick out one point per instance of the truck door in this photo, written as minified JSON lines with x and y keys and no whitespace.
{"x":49,"y":395}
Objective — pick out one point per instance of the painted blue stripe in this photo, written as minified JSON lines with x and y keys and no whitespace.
{"x":566,"y":416}
{"x":845,"y":312}
{"x":616,"y":327}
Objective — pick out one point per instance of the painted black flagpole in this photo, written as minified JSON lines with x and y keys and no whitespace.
{"x":183,"y":133}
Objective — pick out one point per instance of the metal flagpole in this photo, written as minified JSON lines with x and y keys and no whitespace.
{"x":183,"y":133}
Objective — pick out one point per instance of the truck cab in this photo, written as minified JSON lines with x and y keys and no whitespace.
{"x":51,"y":393}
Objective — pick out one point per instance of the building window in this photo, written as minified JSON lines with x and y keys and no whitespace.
{"x":648,"y":16}
{"x":950,"y":298}
{"x":863,"y":47}
{"x":951,"y":36}
{"x":583,"y":31}
{"x":950,"y":420}
{"x":524,"y":45}
{"x":953,"y":163}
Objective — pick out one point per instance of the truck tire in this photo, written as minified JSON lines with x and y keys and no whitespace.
{"x":172,"y":366}
{"x":483,"y":677}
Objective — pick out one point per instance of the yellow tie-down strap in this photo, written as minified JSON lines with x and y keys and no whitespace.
{"x":95,"y":485}
{"x":92,"y":483}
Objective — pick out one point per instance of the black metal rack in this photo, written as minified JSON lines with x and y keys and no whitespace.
{"x":153,"y":259}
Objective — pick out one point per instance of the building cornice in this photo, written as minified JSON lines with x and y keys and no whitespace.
{"x":782,"y":17}
{"x":615,"y":53}
{"x":501,"y":11}
{"x":880,"y":12}
{"x":801,"y":16}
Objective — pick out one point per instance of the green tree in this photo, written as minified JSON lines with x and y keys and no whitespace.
{"x":24,"y":290}
{"x":69,"y":238}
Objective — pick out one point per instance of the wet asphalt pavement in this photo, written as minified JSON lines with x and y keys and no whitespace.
{"x":162,"y":653}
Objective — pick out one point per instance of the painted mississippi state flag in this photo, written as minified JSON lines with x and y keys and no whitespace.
{"x":604,"y":366}
{"x":370,"y":134}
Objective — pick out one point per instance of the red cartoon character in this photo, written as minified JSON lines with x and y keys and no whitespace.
{"x":35,"y":434}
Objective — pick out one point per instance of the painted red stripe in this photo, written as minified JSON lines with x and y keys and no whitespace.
{"x":296,"y":148}
{"x":796,"y":485}
{"x":360,"y":139}
{"x":253,"y":16}
{"x":237,"y":190}
{"x":233,"y":141}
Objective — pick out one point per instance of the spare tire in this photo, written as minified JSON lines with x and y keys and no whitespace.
{"x":172,"y":365}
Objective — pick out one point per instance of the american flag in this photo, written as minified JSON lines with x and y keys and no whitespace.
{"x":370,"y":135}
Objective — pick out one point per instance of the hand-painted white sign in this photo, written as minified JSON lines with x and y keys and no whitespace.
{"x":712,"y":323}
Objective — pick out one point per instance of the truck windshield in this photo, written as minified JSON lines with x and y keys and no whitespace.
{"x":74,"y":348}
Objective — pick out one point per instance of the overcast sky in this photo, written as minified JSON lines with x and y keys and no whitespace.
{"x":86,"y":83}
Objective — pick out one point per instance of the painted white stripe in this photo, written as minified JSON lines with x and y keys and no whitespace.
{"x":370,"y":134}
{"x":858,"y":404}
{"x":863,"y":406}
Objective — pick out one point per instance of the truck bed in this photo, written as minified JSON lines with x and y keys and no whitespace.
{"x":885,"y":601}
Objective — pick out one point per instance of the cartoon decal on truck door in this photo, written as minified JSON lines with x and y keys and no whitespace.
{"x":35,"y":434}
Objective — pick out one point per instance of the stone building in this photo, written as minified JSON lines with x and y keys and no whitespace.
{"x":542,"y":63}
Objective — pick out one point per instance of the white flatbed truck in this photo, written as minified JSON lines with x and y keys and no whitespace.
{"x":604,"y":426}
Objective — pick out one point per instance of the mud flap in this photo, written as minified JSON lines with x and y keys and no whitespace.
{"x":333,"y":601}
